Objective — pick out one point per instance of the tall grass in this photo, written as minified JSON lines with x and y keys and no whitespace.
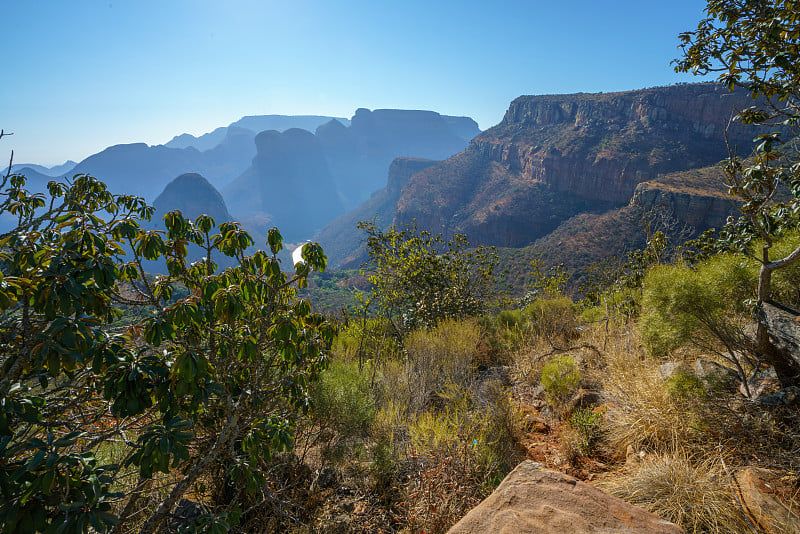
{"x":693,"y":493}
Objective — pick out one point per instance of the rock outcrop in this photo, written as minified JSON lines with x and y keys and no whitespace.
{"x":193,"y":195}
{"x":288,"y":185}
{"x":759,"y":492}
{"x":359,"y":155}
{"x":783,"y":325}
{"x":555,"y":156}
{"x":533,"y":499}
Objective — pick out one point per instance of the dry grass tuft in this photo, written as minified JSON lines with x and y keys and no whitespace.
{"x":696,"y":495}
{"x":642,"y":411}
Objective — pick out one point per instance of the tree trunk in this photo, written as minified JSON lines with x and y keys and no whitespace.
{"x":155,"y":521}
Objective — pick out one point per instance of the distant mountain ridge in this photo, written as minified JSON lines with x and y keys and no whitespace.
{"x":56,"y":170}
{"x":255,"y":124}
{"x":300,"y":181}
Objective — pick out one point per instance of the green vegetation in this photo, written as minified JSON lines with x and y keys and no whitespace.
{"x":210,"y":383}
{"x":756,"y":46}
{"x":419,"y":279}
{"x":560,"y":378}
{"x":124,"y":393}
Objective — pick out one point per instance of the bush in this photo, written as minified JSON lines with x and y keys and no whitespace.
{"x":552,"y":317}
{"x":586,"y":431}
{"x":342,"y":399}
{"x":703,"y":308}
{"x":560,"y":378}
{"x":685,"y":385}
{"x":371,"y":339}
{"x":443,"y":355}
{"x":510,"y":319}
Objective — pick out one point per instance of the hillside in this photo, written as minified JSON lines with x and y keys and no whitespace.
{"x":562,"y":166}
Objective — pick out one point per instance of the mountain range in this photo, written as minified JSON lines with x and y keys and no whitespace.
{"x":295,"y":179}
{"x":569,"y":177}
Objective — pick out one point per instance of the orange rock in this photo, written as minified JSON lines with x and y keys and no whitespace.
{"x":533,"y":499}
{"x":757,"y":490}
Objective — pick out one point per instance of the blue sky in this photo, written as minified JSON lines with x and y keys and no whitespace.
{"x":82,"y":75}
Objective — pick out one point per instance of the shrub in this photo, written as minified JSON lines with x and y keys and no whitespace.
{"x":342,"y":399}
{"x":442,"y":355}
{"x":552,"y":317}
{"x":560,"y":378}
{"x":686,"y":385}
{"x":510,"y":318}
{"x":586,"y":428}
{"x":364,"y":339}
{"x":702,"y":308}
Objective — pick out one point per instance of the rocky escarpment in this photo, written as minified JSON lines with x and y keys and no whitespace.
{"x":555,"y":156}
{"x":342,"y":240}
{"x":682,"y":204}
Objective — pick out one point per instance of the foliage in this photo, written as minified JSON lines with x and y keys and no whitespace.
{"x":421,"y":278}
{"x":684,"y":384}
{"x":756,"y":45}
{"x":443,"y":355}
{"x":366,"y":339}
{"x":560,"y":378}
{"x":552,"y":317}
{"x":587,"y":426}
{"x":703,"y":307}
{"x":342,"y":399}
{"x":213,"y":379}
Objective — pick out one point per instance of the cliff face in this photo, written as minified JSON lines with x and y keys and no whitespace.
{"x":359,"y":155}
{"x":558,"y":155}
{"x":342,"y":241}
{"x":288,"y":185}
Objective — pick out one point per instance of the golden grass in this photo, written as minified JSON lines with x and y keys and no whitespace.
{"x":695,"y":494}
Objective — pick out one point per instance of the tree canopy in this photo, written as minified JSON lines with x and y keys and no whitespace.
{"x":100,"y":401}
{"x":423,"y":278}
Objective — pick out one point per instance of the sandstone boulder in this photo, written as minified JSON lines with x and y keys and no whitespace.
{"x":758,"y":491}
{"x":533,"y":499}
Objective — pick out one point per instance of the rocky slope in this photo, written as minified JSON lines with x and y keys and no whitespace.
{"x":342,"y":241}
{"x":555,"y":156}
{"x":570,"y":175}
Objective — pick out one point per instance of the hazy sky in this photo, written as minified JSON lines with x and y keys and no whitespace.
{"x":81,"y":75}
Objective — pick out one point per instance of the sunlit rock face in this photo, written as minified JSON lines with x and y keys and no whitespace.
{"x":555,"y":156}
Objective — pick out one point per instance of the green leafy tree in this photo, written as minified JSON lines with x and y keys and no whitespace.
{"x":423,"y":278}
{"x":755,"y":45}
{"x":93,"y":410}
